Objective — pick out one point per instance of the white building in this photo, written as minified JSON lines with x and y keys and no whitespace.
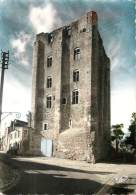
{"x":16,"y":137}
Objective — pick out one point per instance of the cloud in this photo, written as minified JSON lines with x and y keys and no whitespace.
{"x":21,"y":42}
{"x":14,"y":92}
{"x":43,"y":19}
{"x":19,"y":46}
{"x":113,"y":51}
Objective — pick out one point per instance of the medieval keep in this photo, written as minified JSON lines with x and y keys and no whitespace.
{"x":71,"y":92}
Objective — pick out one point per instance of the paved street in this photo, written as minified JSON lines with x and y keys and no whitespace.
{"x":8,"y":176}
{"x":58,"y":176}
{"x":40,"y":178}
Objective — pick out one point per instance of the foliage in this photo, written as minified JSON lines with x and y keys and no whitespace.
{"x":131,"y":139}
{"x":117,"y":134}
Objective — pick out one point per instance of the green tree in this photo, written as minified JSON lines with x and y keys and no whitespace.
{"x":117,"y":134}
{"x":131,"y":139}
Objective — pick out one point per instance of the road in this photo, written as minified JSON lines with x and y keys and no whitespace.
{"x":41,"y":175}
{"x":39,"y":178}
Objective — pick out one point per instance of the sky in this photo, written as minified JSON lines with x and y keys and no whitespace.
{"x":21,"y":20}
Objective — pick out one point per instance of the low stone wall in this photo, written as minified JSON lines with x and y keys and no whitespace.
{"x":72,"y":145}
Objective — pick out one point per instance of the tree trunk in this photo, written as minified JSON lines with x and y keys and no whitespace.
{"x":117,"y":145}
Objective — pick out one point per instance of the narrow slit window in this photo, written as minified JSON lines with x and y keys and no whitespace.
{"x":76,"y":53}
{"x":49,"y":101}
{"x":76,"y":75}
{"x":70,"y":123}
{"x":45,"y":127}
{"x":49,"y":82}
{"x":49,"y":61}
{"x":75,"y":97}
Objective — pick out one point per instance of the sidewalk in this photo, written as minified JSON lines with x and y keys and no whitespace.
{"x":112,"y":168}
{"x":8,"y":177}
{"x":104,"y":173}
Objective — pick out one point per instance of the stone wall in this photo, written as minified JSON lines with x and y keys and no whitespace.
{"x":75,"y":138}
{"x":79,"y":131}
{"x":34,"y":142}
{"x":72,"y":145}
{"x":100,"y":90}
{"x":38,"y":82}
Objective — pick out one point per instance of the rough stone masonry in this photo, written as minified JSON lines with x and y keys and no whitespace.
{"x":71,"y":92}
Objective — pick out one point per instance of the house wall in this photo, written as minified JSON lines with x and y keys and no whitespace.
{"x":19,"y":136}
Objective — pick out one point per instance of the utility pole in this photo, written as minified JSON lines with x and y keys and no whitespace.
{"x":4,"y":63}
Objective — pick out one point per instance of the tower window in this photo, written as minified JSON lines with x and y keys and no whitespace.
{"x":49,"y":61}
{"x":45,"y":126}
{"x":70,"y":123}
{"x":64,"y":100}
{"x":49,"y":82}
{"x":69,"y":30}
{"x":49,"y":101}
{"x":50,"y":37}
{"x":75,"y":97}
{"x":76,"y":75}
{"x":77,"y":53}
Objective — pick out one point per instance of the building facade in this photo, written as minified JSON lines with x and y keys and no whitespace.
{"x":71,"y":91}
{"x":17,"y":138}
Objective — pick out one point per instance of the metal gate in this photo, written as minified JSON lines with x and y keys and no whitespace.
{"x":46,"y":147}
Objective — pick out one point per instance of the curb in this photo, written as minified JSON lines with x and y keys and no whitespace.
{"x":112,"y":182}
{"x":106,"y":187}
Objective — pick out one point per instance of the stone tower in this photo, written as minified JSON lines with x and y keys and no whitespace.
{"x":71,"y":91}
